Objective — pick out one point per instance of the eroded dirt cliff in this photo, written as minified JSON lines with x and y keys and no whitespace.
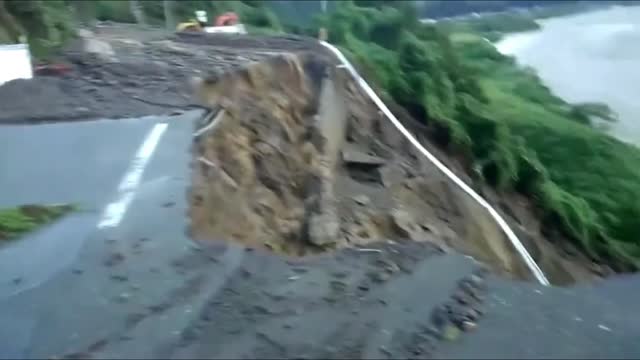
{"x":300,"y":162}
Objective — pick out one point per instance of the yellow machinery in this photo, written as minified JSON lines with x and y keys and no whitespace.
{"x":194,"y":25}
{"x":191,"y":25}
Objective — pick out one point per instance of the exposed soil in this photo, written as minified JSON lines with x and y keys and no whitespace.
{"x":376,"y":187}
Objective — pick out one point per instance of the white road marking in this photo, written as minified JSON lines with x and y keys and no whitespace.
{"x":526,"y":257}
{"x":605,"y":328}
{"x":114,"y":212}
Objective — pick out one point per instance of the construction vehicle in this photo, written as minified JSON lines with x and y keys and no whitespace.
{"x":227,"y":23}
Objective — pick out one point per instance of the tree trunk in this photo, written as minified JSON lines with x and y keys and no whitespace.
{"x":85,"y":11}
{"x":136,"y":10}
{"x":169,"y":19}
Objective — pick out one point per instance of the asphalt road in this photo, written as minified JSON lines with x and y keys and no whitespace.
{"x":58,"y":286}
{"x":142,"y":288}
{"x":526,"y":321}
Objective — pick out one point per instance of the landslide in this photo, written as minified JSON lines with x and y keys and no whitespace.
{"x":300,"y":162}
{"x":286,"y":181}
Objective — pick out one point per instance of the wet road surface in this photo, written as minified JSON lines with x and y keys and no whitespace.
{"x":144,"y":289}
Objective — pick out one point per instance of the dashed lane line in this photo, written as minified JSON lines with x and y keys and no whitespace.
{"x":115,"y":211}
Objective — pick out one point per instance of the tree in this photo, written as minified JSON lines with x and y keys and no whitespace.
{"x":48,"y":24}
{"x":85,"y":11}
{"x":137,"y":11}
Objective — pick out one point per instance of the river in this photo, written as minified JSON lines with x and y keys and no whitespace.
{"x":592,"y":56}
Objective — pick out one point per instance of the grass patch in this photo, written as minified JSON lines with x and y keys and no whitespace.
{"x":18,"y":221}
{"x":591,"y":182}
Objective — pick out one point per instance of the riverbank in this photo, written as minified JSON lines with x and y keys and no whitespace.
{"x":587,"y":57}
{"x":593,"y":179}
{"x":495,"y":25}
{"x":510,"y":130}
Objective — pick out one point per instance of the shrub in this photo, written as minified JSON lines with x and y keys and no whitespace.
{"x":520,"y":135}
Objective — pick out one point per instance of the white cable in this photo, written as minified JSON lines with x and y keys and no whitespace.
{"x":539,"y":275}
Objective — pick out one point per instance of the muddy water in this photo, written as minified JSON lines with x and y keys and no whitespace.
{"x":589,"y":57}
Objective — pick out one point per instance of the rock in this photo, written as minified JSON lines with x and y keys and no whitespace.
{"x":439,"y":317}
{"x":404,"y":224}
{"x":462,"y":298}
{"x":385,"y":351}
{"x":362,"y":200}
{"x":114,"y":259}
{"x":352,"y":155}
{"x":471,"y":314}
{"x":468,"y":325}
{"x":100,"y":48}
{"x":85,"y":33}
{"x":323,"y":229}
{"x":380,"y":276}
{"x":476,"y":281}
{"x":119,"y":278}
{"x":391,"y":174}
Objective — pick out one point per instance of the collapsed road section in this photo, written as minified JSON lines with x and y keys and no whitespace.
{"x":294,"y":168}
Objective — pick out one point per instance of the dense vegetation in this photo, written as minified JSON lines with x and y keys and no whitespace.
{"x":47,"y":24}
{"x":493,"y":25}
{"x":519,"y":136}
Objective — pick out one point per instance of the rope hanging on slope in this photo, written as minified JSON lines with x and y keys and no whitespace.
{"x":531,"y":264}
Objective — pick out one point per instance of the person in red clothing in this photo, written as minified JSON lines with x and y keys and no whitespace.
{"x":226,"y":19}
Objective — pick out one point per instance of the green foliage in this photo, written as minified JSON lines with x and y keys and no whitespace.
{"x":17,"y":221}
{"x":259,"y":17}
{"x":256,"y":14}
{"x":48,"y":23}
{"x":492,"y":26}
{"x":592,"y":186}
{"x":588,"y":110}
{"x":540,"y":8}
{"x":520,"y":135}
{"x":114,"y":10}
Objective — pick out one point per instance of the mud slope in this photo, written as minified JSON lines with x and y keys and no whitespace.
{"x":300,"y":162}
